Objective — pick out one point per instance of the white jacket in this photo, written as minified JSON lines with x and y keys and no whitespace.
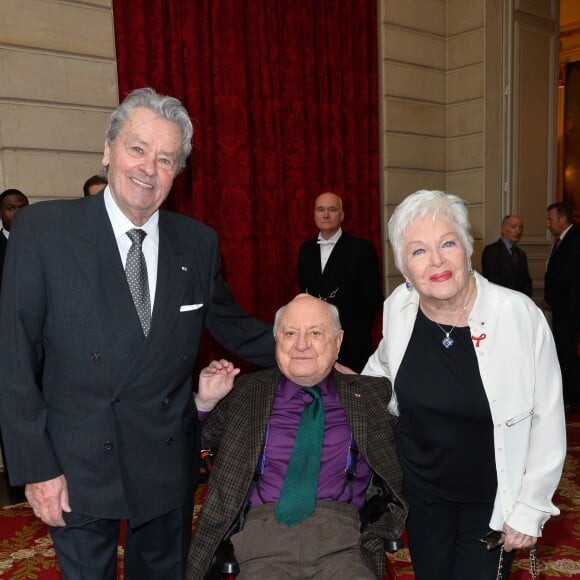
{"x":522,"y":381}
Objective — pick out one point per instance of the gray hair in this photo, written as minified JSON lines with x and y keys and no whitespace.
{"x":169,"y":108}
{"x":332,"y":313}
{"x":416,"y":206}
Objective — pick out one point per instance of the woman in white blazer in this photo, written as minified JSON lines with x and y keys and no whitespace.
{"x":478,"y":391}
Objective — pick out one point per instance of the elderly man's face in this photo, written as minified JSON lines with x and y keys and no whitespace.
{"x":328,"y":214}
{"x":512,"y":229}
{"x":307,"y":343}
{"x":143,"y":161}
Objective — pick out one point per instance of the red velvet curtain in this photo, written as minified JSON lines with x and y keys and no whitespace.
{"x":283,"y":94}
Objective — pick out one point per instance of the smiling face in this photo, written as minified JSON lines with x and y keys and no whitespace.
{"x":307,"y":342}
{"x":142,"y":163}
{"x":434,"y":260}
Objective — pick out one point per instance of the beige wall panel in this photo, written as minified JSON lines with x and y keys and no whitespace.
{"x":49,"y":175}
{"x":465,"y":49}
{"x":467,"y":184}
{"x":413,"y":117}
{"x":418,"y":152}
{"x":36,"y":127}
{"x":534,"y":125}
{"x":424,"y":15}
{"x":464,"y":15}
{"x":476,"y":256}
{"x":465,"y":118}
{"x":56,"y":26}
{"x":41,"y":77}
{"x":465,"y":152}
{"x":401,"y":183}
{"x":414,"y":82}
{"x":476,"y":219}
{"x":547,"y":9}
{"x":465,"y":84}
{"x":414,"y":47}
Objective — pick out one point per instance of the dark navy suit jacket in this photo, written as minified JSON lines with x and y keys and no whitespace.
{"x":499,"y":267}
{"x":83,"y":392}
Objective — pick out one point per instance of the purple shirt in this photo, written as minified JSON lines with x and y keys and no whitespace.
{"x":289,"y":402}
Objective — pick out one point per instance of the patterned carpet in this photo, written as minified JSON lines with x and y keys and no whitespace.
{"x":26,"y":551}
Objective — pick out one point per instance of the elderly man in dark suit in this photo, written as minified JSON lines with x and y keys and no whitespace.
{"x":344,"y":271}
{"x":304,"y":515}
{"x":562,"y":294}
{"x":104,"y":301}
{"x":503,"y":262}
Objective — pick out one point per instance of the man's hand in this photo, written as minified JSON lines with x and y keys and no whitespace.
{"x":515,"y":540}
{"x":49,"y":499}
{"x":215,"y":382}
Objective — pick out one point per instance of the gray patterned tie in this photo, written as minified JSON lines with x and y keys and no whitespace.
{"x":136,"y":271}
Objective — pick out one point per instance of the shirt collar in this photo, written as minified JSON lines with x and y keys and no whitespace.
{"x":332,"y":240}
{"x":122,"y":224}
{"x":6,"y":234}
{"x":507,"y":244}
{"x":561,"y":236}
{"x":289,"y":389}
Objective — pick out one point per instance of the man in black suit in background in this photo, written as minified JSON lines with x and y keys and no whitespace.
{"x":503,"y":262}
{"x":11,"y":201}
{"x":562,"y":294}
{"x":344,"y":271}
{"x":104,"y":302}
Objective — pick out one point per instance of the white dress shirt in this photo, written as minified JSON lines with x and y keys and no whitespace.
{"x":121,"y":225}
{"x":326,"y":247}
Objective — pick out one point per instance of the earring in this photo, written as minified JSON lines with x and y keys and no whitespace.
{"x":471,"y":270}
{"x":408,"y":285}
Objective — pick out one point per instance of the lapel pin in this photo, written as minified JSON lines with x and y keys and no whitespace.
{"x":184,"y":268}
{"x":357,"y":395}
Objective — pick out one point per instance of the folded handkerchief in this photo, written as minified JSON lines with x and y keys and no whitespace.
{"x":188,"y":307}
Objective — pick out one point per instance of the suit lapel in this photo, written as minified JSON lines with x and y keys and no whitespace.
{"x":353,"y":402}
{"x":172,"y":276}
{"x":262,"y":398}
{"x":97,"y":254}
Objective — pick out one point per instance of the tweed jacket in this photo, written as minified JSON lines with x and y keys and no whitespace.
{"x":351,"y":281}
{"x":237,"y":426}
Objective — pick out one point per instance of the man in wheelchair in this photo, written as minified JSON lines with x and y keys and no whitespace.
{"x":305,"y":479}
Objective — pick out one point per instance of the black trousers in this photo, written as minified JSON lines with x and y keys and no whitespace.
{"x":86,"y":548}
{"x":444,"y":541}
{"x":565,"y":330}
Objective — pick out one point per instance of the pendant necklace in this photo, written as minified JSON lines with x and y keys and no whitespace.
{"x":447,"y":341}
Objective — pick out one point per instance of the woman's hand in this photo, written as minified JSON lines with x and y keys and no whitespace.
{"x":515,"y":540}
{"x":215,"y":382}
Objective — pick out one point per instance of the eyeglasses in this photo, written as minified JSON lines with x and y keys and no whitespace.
{"x":493,"y":540}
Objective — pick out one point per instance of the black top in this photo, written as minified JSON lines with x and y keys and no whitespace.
{"x":445,"y":432}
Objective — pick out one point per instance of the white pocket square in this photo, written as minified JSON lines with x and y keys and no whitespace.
{"x":188,"y":307}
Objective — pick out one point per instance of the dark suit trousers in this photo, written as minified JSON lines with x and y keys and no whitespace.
{"x":565,"y":330}
{"x":157,"y":550}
